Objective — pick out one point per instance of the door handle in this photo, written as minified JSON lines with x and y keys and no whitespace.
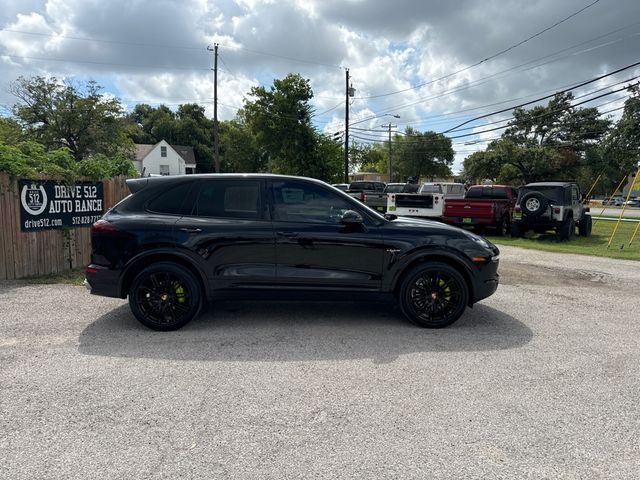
{"x":191,"y":229}
{"x":287,"y":234}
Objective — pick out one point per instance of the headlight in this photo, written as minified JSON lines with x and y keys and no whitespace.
{"x":478,"y":239}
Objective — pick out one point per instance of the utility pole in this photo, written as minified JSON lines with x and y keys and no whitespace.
{"x":390,"y":170}
{"x":346,"y":128}
{"x":216,"y":133}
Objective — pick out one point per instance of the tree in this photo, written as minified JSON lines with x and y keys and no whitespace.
{"x":418,"y":154}
{"x":77,"y":117}
{"x":545,"y":142}
{"x":368,"y":157}
{"x":280,"y":119}
{"x":239,"y":150}
{"x":10,"y":131}
{"x":621,"y":149}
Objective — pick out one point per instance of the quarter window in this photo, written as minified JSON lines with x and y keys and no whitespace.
{"x":170,"y":201}
{"x":304,"y":203}
{"x":231,"y":199}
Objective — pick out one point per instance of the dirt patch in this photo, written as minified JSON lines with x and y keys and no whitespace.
{"x":527,"y":274}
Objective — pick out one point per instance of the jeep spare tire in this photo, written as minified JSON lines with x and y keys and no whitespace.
{"x":533,"y":204}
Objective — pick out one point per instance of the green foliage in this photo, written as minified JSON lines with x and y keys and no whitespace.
{"x":544,"y":143}
{"x":368,"y":158}
{"x":10,"y":131}
{"x":427,"y":154}
{"x":239,"y":149}
{"x":29,"y":159}
{"x":76,"y":117}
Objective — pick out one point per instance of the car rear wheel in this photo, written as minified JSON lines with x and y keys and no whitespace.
{"x":585,"y":226}
{"x":503,"y":227}
{"x":567,"y":230}
{"x":165,"y":296}
{"x":433,"y":295}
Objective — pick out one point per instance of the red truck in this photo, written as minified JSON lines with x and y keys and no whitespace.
{"x":483,"y":206}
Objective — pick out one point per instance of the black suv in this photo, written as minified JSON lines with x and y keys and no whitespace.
{"x":546,"y":206}
{"x":177,"y":242}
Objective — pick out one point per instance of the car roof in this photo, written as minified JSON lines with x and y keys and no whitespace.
{"x":550,"y":184}
{"x":136,"y":184}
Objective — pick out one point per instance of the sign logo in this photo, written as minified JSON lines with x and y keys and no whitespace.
{"x":34,"y":199}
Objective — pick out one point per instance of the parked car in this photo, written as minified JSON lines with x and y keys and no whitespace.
{"x":614,"y":201}
{"x":177,"y":242}
{"x":547,"y":206}
{"x":634,"y":202}
{"x":483,"y":206}
{"x":370,"y":193}
{"x":428,"y":202}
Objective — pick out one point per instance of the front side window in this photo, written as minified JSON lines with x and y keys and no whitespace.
{"x":229,"y":199}
{"x":305,"y":203}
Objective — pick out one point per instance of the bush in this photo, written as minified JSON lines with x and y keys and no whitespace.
{"x":30,"y":159}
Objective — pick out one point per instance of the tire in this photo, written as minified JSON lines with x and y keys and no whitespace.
{"x":516,"y":230}
{"x":433,"y":295}
{"x":503,"y":227}
{"x":585,"y":226}
{"x":567,"y":230}
{"x":165,"y":296}
{"x":533,"y":204}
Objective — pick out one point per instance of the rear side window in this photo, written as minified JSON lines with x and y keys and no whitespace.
{"x":230,"y":199}
{"x":170,"y":201}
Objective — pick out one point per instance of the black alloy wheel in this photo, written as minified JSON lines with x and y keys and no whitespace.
{"x":165,"y":296}
{"x":504,"y":228}
{"x":433,"y":295}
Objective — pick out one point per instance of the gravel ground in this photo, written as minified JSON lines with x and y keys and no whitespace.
{"x":539,"y":381}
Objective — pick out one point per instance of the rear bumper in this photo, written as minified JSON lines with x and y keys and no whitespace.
{"x":102,"y":281}
{"x":471,"y":221}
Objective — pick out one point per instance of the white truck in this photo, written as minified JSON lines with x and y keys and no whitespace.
{"x":428,"y":202}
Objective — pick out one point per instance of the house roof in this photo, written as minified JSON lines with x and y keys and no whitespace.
{"x":144,"y":149}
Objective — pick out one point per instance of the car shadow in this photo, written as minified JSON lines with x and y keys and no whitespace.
{"x":264,"y":331}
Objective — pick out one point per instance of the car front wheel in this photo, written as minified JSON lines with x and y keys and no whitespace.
{"x":433,"y":295}
{"x":165,"y":296}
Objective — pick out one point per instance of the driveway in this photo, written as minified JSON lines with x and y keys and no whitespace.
{"x":541,"y":380}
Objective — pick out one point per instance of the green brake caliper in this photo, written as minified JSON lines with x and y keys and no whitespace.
{"x":447,"y":290}
{"x":180,"y":293}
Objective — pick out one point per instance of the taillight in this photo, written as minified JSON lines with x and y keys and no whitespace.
{"x":91,"y":269}
{"x":556,"y":210}
{"x":363,"y":197}
{"x":517,"y":209}
{"x":102,"y":226}
{"x":436,"y":199}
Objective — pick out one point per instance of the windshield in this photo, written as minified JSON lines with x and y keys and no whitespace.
{"x":397,"y":188}
{"x":431,"y":188}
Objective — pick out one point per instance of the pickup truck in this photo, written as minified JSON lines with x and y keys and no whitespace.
{"x":483,"y":206}
{"x":426,"y":203}
{"x":371,"y":194}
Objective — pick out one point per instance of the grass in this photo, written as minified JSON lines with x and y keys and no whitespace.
{"x":596,"y":244}
{"x":70,"y":277}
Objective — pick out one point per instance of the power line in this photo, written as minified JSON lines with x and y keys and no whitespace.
{"x":546,"y":96}
{"x":51,"y":59}
{"x":490,"y":57}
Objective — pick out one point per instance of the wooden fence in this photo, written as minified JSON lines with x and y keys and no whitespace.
{"x":26,"y":254}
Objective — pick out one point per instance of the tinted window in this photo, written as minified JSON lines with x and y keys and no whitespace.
{"x":229,"y":198}
{"x":306,"y":203}
{"x":551,"y":192}
{"x":170,"y":201}
{"x":394,"y":188}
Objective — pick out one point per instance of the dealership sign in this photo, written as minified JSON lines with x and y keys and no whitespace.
{"x":48,"y":204}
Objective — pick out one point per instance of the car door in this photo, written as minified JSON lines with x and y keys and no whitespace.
{"x":313,"y":248}
{"x":229,"y":229}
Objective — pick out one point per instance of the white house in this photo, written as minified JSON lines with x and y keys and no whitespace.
{"x":164,"y":159}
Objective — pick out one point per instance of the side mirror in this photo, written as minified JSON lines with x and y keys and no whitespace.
{"x":351,"y":217}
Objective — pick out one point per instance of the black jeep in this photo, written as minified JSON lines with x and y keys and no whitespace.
{"x":544,"y":206}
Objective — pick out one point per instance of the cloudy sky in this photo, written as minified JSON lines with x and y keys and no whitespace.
{"x":435,"y":64}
